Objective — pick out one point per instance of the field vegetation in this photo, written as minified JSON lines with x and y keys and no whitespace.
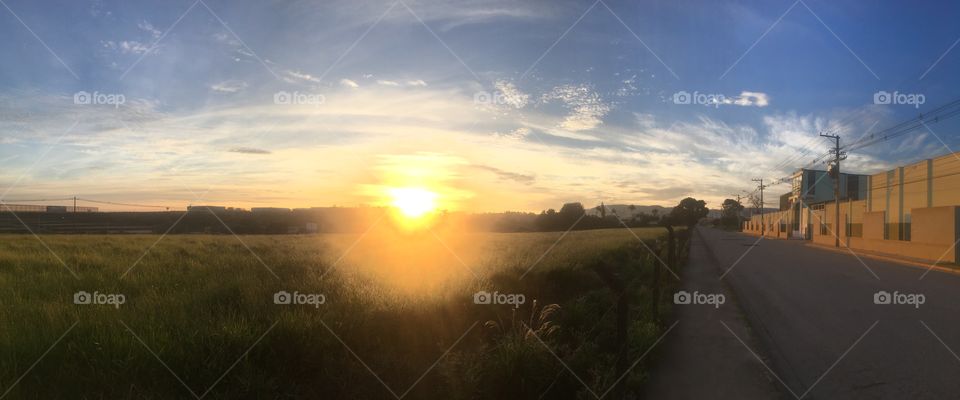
{"x":399,"y":319}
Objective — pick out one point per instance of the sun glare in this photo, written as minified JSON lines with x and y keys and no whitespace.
{"x":413,"y":202}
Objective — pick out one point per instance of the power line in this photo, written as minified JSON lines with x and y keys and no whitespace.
{"x":5,"y":201}
{"x":936,"y":115}
{"x":33,"y":200}
{"x":121,"y":204}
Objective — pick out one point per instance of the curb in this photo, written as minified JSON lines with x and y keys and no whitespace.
{"x":897,"y":260}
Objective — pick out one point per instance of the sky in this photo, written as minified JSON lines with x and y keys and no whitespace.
{"x":494,"y":105}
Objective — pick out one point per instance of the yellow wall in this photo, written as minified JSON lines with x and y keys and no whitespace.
{"x":946,"y":181}
{"x":921,"y":200}
{"x":873,"y":225}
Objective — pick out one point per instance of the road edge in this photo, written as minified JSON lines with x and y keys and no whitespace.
{"x":764,"y":345}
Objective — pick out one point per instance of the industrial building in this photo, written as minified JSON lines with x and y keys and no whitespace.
{"x":910,"y":211}
{"x":812,"y":187}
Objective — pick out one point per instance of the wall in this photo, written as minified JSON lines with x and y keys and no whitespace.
{"x":934,"y":231}
{"x":773,"y":221}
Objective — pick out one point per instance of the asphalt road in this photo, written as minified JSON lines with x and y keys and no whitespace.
{"x":702,"y":356}
{"x":818,"y":329}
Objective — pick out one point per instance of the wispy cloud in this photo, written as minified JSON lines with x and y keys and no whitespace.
{"x":587,"y":108}
{"x":126,"y":46}
{"x":749,"y":99}
{"x":249,"y":150}
{"x":507,"y":175}
{"x":230,"y":86}
{"x":148,"y":27}
{"x":292,"y":76}
{"x":511,"y":95}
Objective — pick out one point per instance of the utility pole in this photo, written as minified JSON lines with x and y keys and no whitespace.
{"x":74,"y":203}
{"x":763,"y":224}
{"x":834,"y":173}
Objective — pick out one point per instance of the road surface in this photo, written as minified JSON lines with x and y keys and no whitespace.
{"x":703,"y":357}
{"x":817,"y":328}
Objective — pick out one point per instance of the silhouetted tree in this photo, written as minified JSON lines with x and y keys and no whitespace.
{"x":688,"y":212}
{"x":574,"y":210}
{"x":730,"y":212}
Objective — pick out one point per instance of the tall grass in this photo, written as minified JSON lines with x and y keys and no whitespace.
{"x":200,"y":314}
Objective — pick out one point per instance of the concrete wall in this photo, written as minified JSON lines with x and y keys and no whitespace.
{"x":773,"y":221}
{"x":873,"y":225}
{"x":933,"y":232}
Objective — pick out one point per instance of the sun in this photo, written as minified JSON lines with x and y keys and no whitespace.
{"x":413,"y":202}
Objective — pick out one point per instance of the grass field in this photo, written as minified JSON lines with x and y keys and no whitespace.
{"x":199,"y":317}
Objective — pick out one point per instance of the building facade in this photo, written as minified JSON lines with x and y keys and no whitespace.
{"x":808,"y":189}
{"x":909,"y":211}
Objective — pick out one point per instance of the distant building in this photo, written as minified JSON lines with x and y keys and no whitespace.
{"x":24,"y":208}
{"x":811,"y":187}
{"x":275,"y":210}
{"x":207,"y":208}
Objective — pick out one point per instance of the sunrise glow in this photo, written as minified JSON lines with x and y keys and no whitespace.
{"x":413,"y":202}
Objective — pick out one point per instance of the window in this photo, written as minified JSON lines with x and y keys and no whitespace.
{"x":853,"y":187}
{"x":811,"y":182}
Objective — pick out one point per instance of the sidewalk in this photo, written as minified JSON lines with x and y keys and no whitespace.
{"x":701,"y":358}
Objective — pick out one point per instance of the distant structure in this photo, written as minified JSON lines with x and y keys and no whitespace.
{"x":207,"y":208}
{"x":809,"y":188}
{"x":269,"y":210}
{"x":33,"y":208}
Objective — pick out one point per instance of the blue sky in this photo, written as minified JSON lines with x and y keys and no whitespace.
{"x":496,"y":105}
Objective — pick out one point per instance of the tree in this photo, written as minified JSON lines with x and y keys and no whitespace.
{"x":730,"y":213}
{"x":572,"y":210}
{"x":688,"y":212}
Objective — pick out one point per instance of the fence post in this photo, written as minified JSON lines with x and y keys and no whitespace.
{"x":671,"y":237}
{"x":609,"y":276}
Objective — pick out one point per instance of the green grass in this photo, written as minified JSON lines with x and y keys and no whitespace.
{"x":398,"y":301}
